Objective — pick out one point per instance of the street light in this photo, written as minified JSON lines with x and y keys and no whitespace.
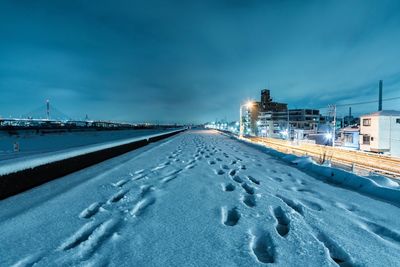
{"x":328,"y":136}
{"x":249,"y":104}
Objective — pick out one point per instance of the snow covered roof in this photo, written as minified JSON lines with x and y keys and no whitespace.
{"x":350,"y":129}
{"x":383,"y":113}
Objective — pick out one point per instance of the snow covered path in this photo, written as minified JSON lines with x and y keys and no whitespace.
{"x":196,"y":199}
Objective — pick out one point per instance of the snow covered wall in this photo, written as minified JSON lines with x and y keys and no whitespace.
{"x":25,"y":174}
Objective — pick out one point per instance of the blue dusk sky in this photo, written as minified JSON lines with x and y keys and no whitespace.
{"x":195,"y":61}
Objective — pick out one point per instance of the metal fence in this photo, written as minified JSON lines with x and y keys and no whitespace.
{"x":355,"y":160}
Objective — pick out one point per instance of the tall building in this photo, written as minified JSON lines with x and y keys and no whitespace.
{"x":276,"y":120}
{"x":273,"y":116}
{"x":273,"y":119}
{"x":268,"y":105}
{"x":249,"y":116}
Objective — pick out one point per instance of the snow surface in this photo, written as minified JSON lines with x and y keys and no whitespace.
{"x":197,"y":199}
{"x":18,"y":164}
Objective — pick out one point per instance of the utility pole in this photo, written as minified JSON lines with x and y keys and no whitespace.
{"x":332,"y":112}
{"x":288,"y":124}
{"x":380,"y":95}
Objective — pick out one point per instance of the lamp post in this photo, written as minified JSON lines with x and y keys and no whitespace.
{"x":332,"y":111}
{"x":240,"y":122}
{"x":288,"y":124}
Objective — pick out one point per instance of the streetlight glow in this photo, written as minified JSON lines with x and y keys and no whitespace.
{"x":249,"y":104}
{"x":328,"y":136}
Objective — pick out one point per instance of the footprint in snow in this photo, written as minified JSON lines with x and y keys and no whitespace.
{"x":312,"y":205}
{"x":142,"y":205}
{"x":249,"y":189}
{"x":262,"y":247}
{"x":190,"y":166}
{"x":232,"y":172}
{"x":249,"y":201}
{"x":237,"y":179}
{"x":335,"y":252}
{"x":90,"y":236}
{"x":90,"y":211}
{"x":118,"y":196}
{"x":219,"y":172}
{"x":282,"y":221}
{"x":230,"y":217}
{"x":120,"y":183}
{"x":253,"y":180}
{"x":296,"y":206}
{"x":228,"y":187}
{"x":139,"y":171}
{"x":382,"y":231}
{"x":225,"y":167}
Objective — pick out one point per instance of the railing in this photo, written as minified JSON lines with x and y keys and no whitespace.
{"x":377,"y":163}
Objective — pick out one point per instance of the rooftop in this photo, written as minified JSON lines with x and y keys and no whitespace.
{"x":383,"y":113}
{"x":350,"y":129}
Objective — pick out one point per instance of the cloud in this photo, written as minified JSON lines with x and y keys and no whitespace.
{"x":191,"y":61}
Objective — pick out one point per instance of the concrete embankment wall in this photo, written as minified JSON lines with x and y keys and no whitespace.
{"x":17,"y":182}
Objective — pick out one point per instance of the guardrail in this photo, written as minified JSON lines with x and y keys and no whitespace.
{"x":22,"y":180}
{"x":389,"y":166}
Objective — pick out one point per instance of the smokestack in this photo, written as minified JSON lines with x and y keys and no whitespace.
{"x":48,"y":109}
{"x":349,"y":112}
{"x":380,"y":95}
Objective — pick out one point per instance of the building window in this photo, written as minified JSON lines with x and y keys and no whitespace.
{"x":348,"y":138}
{"x":366,"y":139}
{"x":372,"y":139}
{"x":366,"y":122}
{"x":398,"y":121}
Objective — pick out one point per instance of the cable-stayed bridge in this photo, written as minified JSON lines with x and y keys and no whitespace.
{"x":50,"y":117}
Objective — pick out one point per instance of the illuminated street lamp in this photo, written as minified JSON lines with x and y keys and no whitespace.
{"x":328,"y":136}
{"x":249,"y":104}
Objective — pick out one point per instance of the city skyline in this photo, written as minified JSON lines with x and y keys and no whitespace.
{"x":150,"y":61}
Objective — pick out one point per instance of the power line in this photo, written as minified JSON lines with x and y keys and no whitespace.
{"x":363,"y":103}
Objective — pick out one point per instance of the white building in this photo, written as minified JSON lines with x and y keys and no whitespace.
{"x":349,"y":137}
{"x":380,"y":132}
{"x":248,"y":118}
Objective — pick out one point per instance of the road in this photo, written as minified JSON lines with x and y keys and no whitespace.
{"x":197,"y":199}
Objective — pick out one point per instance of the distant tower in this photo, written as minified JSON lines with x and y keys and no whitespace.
{"x":48,"y":109}
{"x":380,"y":95}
